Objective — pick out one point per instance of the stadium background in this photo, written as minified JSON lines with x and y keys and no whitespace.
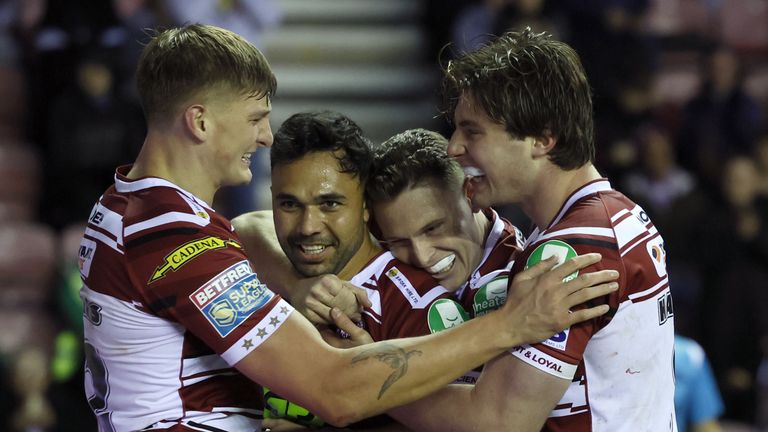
{"x":681,"y":95}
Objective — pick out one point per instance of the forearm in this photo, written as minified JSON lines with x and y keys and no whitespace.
{"x":257,"y":233}
{"x":424,"y":364}
{"x":343,"y":386}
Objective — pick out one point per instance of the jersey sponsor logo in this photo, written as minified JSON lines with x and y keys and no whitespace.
{"x":558,"y":341}
{"x":562,"y":250}
{"x":658,"y":255}
{"x":666,"y":308}
{"x":96,"y":217}
{"x":231,"y":297}
{"x":85,"y":256}
{"x":536,"y":358}
{"x":404,"y":285}
{"x":490,"y":296}
{"x":187,"y":252}
{"x":444,"y":314}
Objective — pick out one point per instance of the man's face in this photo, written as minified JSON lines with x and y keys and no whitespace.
{"x":319,"y":212}
{"x":238,"y":128}
{"x":499,"y":166}
{"x":432,"y":227}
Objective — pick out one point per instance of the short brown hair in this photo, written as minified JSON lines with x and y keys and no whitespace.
{"x":530,"y":83}
{"x":180,"y":62}
{"x":411,"y":158}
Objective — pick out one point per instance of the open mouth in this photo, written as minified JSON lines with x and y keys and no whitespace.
{"x":442,"y":266}
{"x":246,"y":158}
{"x":312,"y":249}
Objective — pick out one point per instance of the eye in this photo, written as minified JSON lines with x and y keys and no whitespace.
{"x":288,"y":205}
{"x":331,"y":205}
{"x":435,"y":228}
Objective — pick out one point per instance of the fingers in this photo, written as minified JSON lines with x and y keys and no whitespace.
{"x":577,"y":263}
{"x":360,"y":294}
{"x":358,"y":335}
{"x":585,"y":294}
{"x":538,"y":269}
{"x":590,"y":279}
{"x":587,"y":314}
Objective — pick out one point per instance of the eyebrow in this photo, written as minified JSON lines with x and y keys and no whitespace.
{"x":420,"y":231}
{"x":331,"y":196}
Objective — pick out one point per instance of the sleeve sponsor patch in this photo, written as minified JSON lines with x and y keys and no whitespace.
{"x":490,"y":296}
{"x":444,"y":314}
{"x":404,"y":285}
{"x":558,"y":341}
{"x":562,"y":250}
{"x":544,"y":362}
{"x":231,"y":297}
{"x":658,"y":254}
{"x":187,"y":252}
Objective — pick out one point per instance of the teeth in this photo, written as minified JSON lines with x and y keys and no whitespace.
{"x":312,"y":250}
{"x":471,"y":171}
{"x":442,"y":265}
{"x":246,"y":158}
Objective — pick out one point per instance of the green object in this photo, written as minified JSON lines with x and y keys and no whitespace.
{"x":490,"y":296}
{"x":444,"y":314}
{"x":561,"y":249}
{"x":277,"y":407}
{"x":66,"y":356}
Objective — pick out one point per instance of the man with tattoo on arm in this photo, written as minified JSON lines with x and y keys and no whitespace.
{"x":177,"y":324}
{"x":311,"y":215}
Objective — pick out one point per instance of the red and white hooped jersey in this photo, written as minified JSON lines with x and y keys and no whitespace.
{"x":621,"y":364}
{"x":170,"y":305}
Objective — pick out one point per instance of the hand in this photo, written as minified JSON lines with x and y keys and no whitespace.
{"x":540,"y":302}
{"x":328,"y":291}
{"x":357,"y":335}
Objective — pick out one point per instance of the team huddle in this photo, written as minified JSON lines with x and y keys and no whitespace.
{"x":382,"y":281}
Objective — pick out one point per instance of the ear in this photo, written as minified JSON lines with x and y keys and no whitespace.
{"x":195,"y":121}
{"x":366,"y":212}
{"x":543,"y":144}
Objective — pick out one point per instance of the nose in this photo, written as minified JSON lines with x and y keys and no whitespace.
{"x":455,"y":146}
{"x":311,"y":221}
{"x":265,"y":136}
{"x":422,"y":253}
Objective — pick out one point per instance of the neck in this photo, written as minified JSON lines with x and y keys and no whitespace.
{"x":166,"y":156}
{"x":553,"y":187}
{"x":367,"y":251}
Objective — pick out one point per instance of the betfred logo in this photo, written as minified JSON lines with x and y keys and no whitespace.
{"x":231,"y":297}
{"x":562,"y":250}
{"x":187,"y":252}
{"x":444,"y":314}
{"x":490,"y":296}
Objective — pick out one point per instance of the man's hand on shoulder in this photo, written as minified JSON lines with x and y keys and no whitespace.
{"x":541,"y":302}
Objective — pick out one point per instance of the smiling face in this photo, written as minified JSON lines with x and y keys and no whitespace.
{"x":500,"y":167}
{"x":238,"y":128}
{"x":432,"y":227}
{"x":319,"y":213}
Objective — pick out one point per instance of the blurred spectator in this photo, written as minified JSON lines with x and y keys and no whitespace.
{"x":721,"y":120}
{"x":660,"y":181}
{"x":93,"y":129}
{"x":698,"y":404}
{"x":761,"y":159}
{"x":734,"y":266}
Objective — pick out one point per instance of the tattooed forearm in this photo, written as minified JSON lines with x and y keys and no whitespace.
{"x":394,"y":356}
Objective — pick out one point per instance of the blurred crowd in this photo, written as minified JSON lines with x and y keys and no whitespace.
{"x":680,"y":96}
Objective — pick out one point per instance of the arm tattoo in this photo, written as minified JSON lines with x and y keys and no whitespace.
{"x":396,"y":357}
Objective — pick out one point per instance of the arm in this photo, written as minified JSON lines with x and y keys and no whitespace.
{"x":508,"y":395}
{"x":342,"y":386}
{"x":312,"y":297}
